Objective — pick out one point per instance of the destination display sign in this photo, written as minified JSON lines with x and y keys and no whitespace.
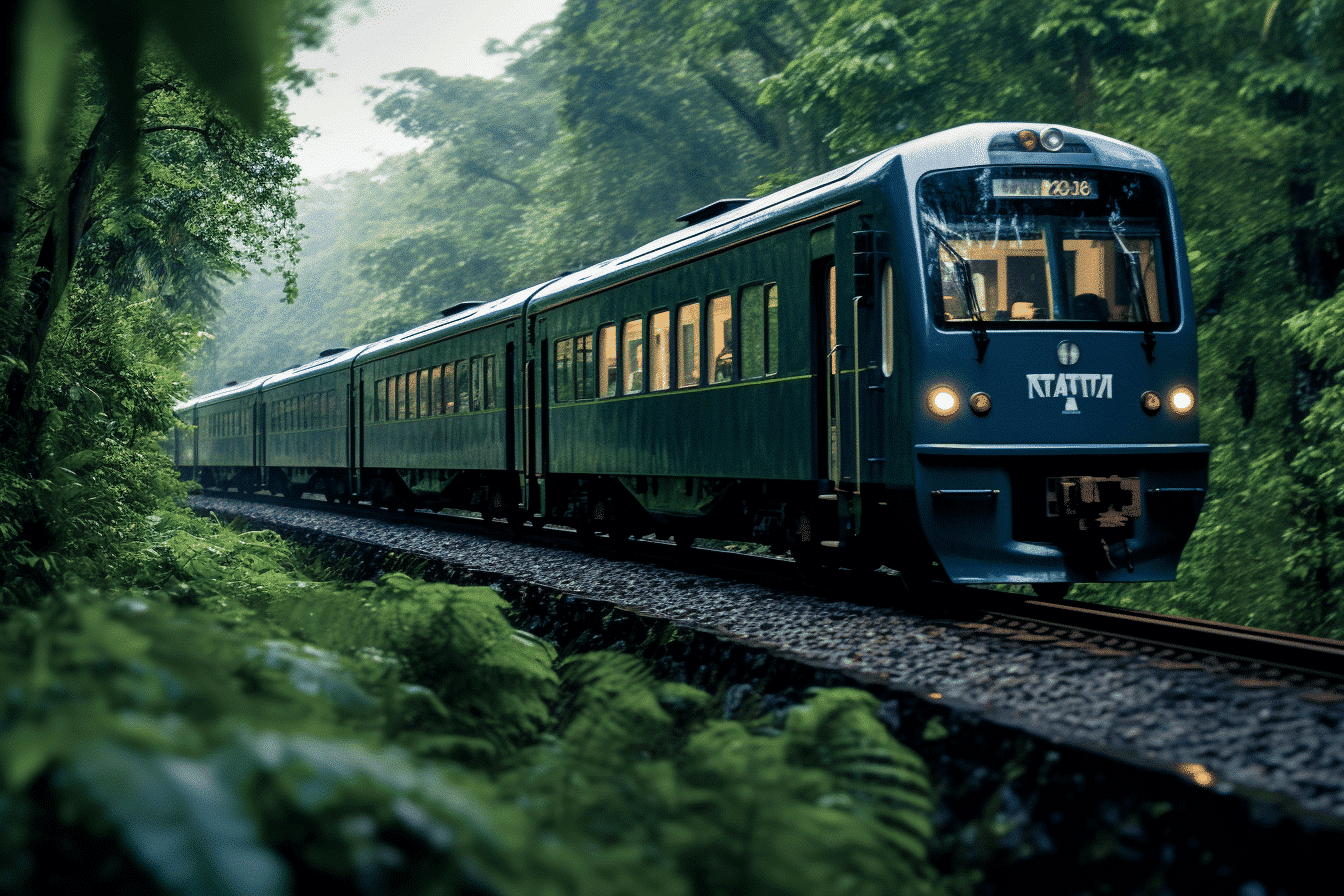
{"x":1048,"y":187}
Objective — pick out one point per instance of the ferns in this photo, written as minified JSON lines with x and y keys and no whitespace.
{"x":231,"y":727}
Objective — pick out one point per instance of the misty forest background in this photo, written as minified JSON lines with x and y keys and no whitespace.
{"x":617,"y":117}
{"x":190,"y":708}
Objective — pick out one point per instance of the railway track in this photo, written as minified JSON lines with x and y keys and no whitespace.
{"x":1253,"y":657}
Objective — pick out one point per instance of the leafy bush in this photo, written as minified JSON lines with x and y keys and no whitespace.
{"x":227,"y":725}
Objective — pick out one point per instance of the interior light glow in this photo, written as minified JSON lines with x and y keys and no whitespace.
{"x":1182,"y":400}
{"x":943,"y":401}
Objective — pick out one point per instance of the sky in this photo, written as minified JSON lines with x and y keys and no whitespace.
{"x":387,"y":36}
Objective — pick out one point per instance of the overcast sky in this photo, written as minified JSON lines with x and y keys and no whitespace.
{"x":443,"y":35}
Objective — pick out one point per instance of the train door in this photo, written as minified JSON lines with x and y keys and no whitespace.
{"x":538,"y":417}
{"x":357,"y":483}
{"x":510,"y":402}
{"x":354,"y":427}
{"x":258,"y":441}
{"x":835,"y":314}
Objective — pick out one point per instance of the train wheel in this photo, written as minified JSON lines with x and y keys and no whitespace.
{"x":803,"y":543}
{"x":494,"y":506}
{"x":607,"y":519}
{"x":1051,"y":590}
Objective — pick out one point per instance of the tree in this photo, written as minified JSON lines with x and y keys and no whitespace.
{"x":144,"y":159}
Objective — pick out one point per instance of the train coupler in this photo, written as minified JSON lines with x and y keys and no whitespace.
{"x":1117,"y":554}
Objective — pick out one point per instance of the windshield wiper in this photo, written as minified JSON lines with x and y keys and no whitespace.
{"x":978,"y":331}
{"x":1138,"y":295}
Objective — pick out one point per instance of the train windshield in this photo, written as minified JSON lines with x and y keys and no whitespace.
{"x":1009,"y":248}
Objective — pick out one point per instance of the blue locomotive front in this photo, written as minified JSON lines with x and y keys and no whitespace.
{"x":1055,"y":403}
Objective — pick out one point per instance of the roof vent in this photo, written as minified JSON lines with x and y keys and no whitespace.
{"x":460,"y":307}
{"x":230,"y":383}
{"x":331,"y":351}
{"x":713,"y":210}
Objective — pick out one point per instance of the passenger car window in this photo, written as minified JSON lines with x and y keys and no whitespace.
{"x":606,"y":361}
{"x":583,"y":366}
{"x":771,"y":328}
{"x":721,"y":337}
{"x":564,"y":370}
{"x":660,"y":357}
{"x":463,"y":387}
{"x":752,"y":303}
{"x":449,"y":390}
{"x":688,"y":344}
{"x":476,"y":389}
{"x":491,"y":384}
{"x":632,"y":356}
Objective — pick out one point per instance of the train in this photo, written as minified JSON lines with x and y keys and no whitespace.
{"x":970,"y":357}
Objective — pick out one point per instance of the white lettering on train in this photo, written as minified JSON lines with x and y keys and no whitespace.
{"x":1069,"y":386}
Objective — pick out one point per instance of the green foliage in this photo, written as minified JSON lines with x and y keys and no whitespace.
{"x":231,"y":726}
{"x":827,"y":802}
{"x":101,"y":277}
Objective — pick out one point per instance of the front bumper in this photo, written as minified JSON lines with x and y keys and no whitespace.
{"x":987,"y":513}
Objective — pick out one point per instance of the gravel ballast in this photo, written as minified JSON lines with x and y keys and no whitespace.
{"x":1270,"y":758}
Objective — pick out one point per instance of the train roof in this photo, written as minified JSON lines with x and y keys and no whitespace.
{"x":233,"y":390}
{"x":462,"y":318}
{"x":972,"y":145}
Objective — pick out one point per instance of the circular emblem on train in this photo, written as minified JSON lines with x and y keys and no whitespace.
{"x":1068,"y":353}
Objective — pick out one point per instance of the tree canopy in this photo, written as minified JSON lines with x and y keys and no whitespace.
{"x":144,"y":155}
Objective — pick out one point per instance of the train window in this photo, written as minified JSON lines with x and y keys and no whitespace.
{"x":383,"y":397}
{"x":583,"y":366}
{"x":751,"y":301}
{"x":771,"y":328}
{"x":887,"y":289}
{"x":446,"y":401}
{"x":688,"y":345}
{"x":412,"y":395}
{"x":564,"y":370}
{"x":660,"y":351}
{"x":607,"y":376}
{"x":1022,"y":248}
{"x":476,"y":383}
{"x":721,"y":337}
{"x":435,"y":392}
{"x":463,"y":387}
{"x":490,"y":383}
{"x":632,"y":357}
{"x":426,"y":394}
{"x":399,"y":403}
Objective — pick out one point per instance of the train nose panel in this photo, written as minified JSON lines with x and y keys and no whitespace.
{"x":1101,"y":513}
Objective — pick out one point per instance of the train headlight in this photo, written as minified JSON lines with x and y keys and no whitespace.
{"x":1150,"y":402}
{"x":943,"y":401}
{"x":1182,"y":400}
{"x":1052,"y":139}
{"x":980,"y":404}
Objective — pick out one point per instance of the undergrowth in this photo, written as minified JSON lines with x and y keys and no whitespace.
{"x":223,"y":722}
